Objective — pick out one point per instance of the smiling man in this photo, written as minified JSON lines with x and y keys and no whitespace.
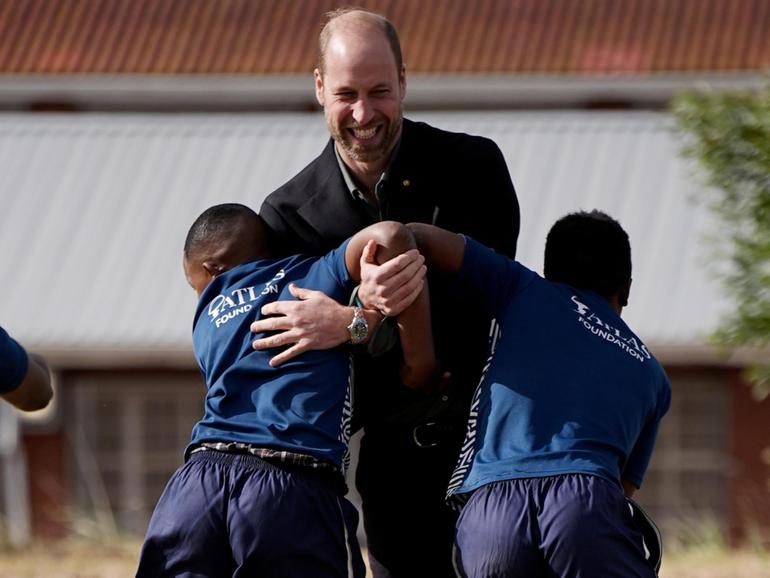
{"x":378,"y":166}
{"x":363,"y":107}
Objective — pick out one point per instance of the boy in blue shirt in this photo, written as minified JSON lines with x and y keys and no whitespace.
{"x":564,"y":420}
{"x":262,"y":489}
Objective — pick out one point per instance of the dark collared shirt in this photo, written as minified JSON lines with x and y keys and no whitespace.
{"x":374,"y":205}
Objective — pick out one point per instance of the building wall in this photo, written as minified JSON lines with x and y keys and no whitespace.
{"x":749,"y":472}
{"x":48,"y":484}
{"x":686,"y":488}
{"x":125,"y":431}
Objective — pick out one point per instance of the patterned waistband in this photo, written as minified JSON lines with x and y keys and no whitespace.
{"x":269,"y":455}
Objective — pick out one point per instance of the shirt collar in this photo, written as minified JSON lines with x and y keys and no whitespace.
{"x":355,"y":192}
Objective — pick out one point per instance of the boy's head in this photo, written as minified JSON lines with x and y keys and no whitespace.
{"x":222,"y":237}
{"x":590,"y":251}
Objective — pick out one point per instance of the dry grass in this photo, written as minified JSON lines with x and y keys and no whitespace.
{"x":701,"y":564}
{"x":90,"y":559}
{"x":71,"y":559}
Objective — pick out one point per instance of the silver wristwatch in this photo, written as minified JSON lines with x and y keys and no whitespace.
{"x":358,"y":328}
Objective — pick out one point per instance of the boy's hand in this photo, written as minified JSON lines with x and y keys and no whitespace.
{"x":393,"y":286}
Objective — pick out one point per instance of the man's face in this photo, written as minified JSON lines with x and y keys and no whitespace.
{"x":361,"y":93}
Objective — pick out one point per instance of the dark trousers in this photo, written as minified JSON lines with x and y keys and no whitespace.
{"x":237,"y":516}
{"x":572,"y":525}
{"x":409,"y":528}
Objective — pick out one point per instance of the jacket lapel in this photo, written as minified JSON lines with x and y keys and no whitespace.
{"x":330,"y":210}
{"x":412,"y":198}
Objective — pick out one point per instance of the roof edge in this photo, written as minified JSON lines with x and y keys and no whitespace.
{"x":115,"y":359}
{"x":702,"y":354}
{"x":295,"y":92}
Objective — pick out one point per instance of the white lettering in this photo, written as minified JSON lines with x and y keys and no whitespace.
{"x":215,"y":307}
{"x":232,"y":314}
{"x":600,"y":328}
{"x":239,"y":293}
{"x":581,"y":307}
{"x":269,"y":289}
{"x":224,"y":307}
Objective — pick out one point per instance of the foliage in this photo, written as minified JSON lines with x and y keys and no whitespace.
{"x":728,"y":133}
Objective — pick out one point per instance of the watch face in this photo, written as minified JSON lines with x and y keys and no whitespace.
{"x":358,"y":330}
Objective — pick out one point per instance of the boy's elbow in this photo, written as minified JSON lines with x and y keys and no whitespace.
{"x":396,"y":235}
{"x":36,"y":402}
{"x":35,"y":391}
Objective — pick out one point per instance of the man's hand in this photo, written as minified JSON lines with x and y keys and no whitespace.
{"x":314,"y":321}
{"x":393,"y":286}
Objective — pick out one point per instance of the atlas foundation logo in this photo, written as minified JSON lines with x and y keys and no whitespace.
{"x":223,"y":308}
{"x":596,"y":325}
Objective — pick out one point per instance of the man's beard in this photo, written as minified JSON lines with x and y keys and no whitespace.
{"x":363,"y":153}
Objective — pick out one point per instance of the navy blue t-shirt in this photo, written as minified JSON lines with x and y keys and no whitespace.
{"x":13,"y":363}
{"x":303,"y":405}
{"x":568,"y":388}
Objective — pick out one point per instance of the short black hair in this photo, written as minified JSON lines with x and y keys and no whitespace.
{"x":588,"y":250}
{"x":217,"y":223}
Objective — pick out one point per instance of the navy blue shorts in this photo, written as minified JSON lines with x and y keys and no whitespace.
{"x":576,"y":526}
{"x":231,"y":515}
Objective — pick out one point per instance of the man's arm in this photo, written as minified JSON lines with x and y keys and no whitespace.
{"x":35,"y":391}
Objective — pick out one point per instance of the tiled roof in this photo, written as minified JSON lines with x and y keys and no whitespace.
{"x":95,"y":209}
{"x":439,"y":36}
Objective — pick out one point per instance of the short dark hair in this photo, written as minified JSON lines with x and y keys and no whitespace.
{"x":588,"y":250}
{"x":218,"y":222}
{"x":388,"y":30}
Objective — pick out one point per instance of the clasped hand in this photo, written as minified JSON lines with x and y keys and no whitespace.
{"x":315,"y":321}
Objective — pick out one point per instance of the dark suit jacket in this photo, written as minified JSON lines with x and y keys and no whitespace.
{"x":453,"y":180}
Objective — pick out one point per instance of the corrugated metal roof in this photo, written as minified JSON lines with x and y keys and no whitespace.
{"x":439,"y":36}
{"x":95,"y":209}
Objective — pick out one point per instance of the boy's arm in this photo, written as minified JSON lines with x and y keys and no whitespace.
{"x":443,"y":250}
{"x":35,"y":391}
{"x":396,"y":252}
{"x":316,"y":321}
{"x":394,"y":244}
{"x":628,"y":488}
{"x":382,"y":243}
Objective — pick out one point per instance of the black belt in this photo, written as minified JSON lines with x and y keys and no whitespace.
{"x":431,"y":434}
{"x":406,"y":437}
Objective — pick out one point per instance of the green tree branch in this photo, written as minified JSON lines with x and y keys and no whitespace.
{"x":728,"y":134}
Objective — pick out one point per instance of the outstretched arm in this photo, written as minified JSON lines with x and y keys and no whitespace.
{"x":383,"y":286}
{"x":35,"y":391}
{"x":443,"y":250}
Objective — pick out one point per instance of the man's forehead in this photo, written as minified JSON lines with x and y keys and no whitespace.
{"x":348,"y":64}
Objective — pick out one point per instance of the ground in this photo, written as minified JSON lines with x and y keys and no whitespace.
{"x":90,"y":559}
